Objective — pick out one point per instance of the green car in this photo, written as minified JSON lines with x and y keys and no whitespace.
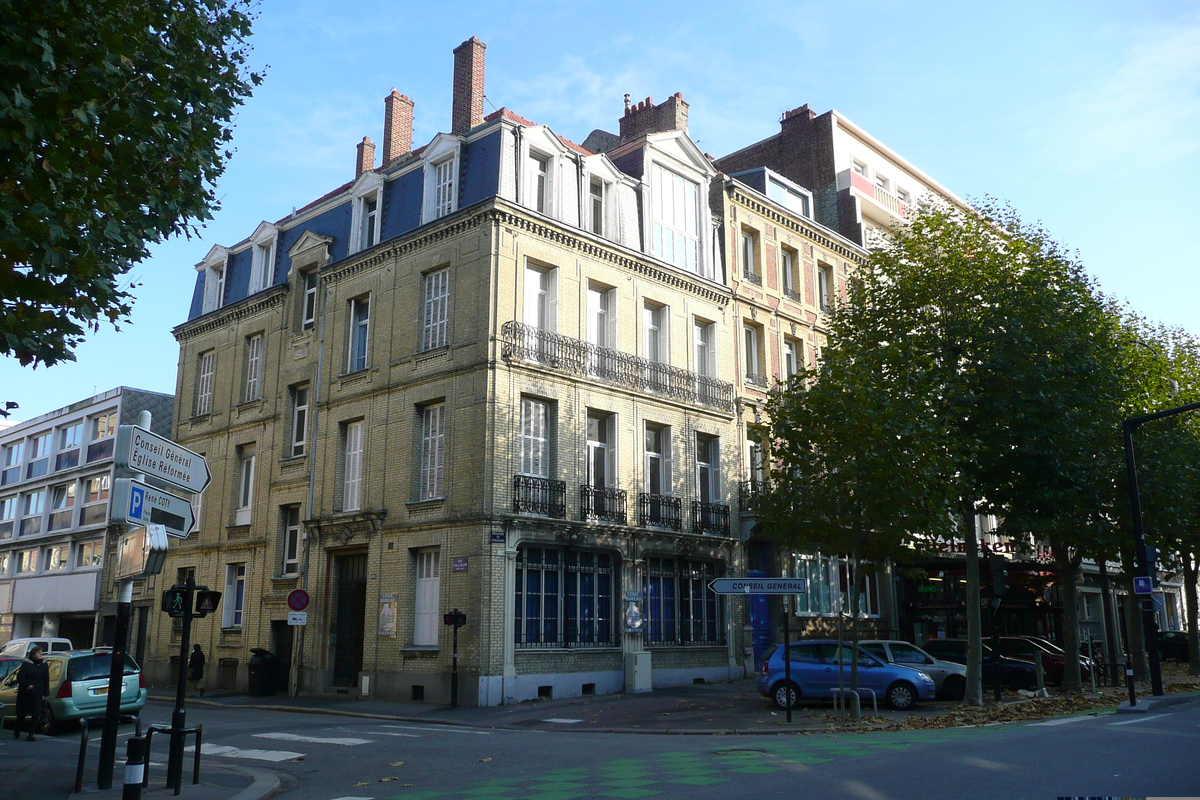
{"x":79,"y":688}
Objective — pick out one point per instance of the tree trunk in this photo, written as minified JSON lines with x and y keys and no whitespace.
{"x":1068,"y":571}
{"x":1190,"y":610}
{"x":974,"y":690}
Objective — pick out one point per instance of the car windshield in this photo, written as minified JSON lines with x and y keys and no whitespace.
{"x":92,"y":667}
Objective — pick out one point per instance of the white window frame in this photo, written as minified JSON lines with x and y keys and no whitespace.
{"x":859,"y":167}
{"x":675,"y":235}
{"x":436,"y":327}
{"x":427,"y":596}
{"x":598,"y":205}
{"x":90,"y":554}
{"x":656,"y":330}
{"x":793,"y":356}
{"x":247,"y":456}
{"x":205,"y":368}
{"x":308,"y":314}
{"x":535,"y":438}
{"x":352,"y":468}
{"x":605,"y":445}
{"x":710,"y":468}
{"x":749,"y":256}
{"x":235,"y":595}
{"x":215,"y":269}
{"x":299,"y":444}
{"x":292,"y":536}
{"x":825,"y":287}
{"x":33,"y":510}
{"x":8,"y":516}
{"x":262,"y":266}
{"x":752,"y":338}
{"x":433,"y":452}
{"x":254,"y":368}
{"x":541,"y":182}
{"x":359,"y":344}
{"x":368,"y":234}
{"x":787,"y":269}
{"x":660,"y":458}
{"x":366,"y":224}
{"x":541,"y":297}
{"x":445,"y":194}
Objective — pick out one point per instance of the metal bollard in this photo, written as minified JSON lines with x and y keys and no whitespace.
{"x":1129,"y":683}
{"x":135,"y":768}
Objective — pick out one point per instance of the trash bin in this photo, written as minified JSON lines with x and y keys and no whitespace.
{"x":261,"y":672}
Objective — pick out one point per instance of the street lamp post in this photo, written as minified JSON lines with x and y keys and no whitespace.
{"x":1139,"y":535}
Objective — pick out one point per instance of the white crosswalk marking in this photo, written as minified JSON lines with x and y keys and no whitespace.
{"x":439,"y":729}
{"x":1061,"y":721}
{"x":1135,"y":720}
{"x":295,"y":737}
{"x":237,"y":752}
{"x":354,"y":798}
{"x":562,"y":720}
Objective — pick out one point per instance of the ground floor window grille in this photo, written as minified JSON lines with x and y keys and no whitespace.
{"x":680,"y":608}
{"x":564,"y":598}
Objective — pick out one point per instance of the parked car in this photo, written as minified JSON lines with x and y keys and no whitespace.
{"x":1054,"y":659}
{"x":1173,"y":644}
{"x":79,"y":688}
{"x":19,"y":648}
{"x":815,"y":668}
{"x":1012,"y":673}
{"x":949,"y":678}
{"x":8,"y":665}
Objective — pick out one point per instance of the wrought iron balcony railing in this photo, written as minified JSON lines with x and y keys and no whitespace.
{"x":750,"y":276}
{"x":602,"y":504}
{"x":793,"y":294}
{"x":749,"y":492}
{"x":660,"y":511}
{"x":710,"y":518}
{"x":574,"y":356}
{"x":757,"y":379}
{"x":543,"y":496}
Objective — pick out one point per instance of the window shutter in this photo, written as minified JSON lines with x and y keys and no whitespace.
{"x":552,"y":300}
{"x":611,"y":316}
{"x":610,"y":452}
{"x":668,"y":486}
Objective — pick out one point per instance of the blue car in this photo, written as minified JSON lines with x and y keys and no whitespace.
{"x":815,"y":675}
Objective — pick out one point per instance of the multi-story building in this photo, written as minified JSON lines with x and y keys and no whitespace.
{"x":55,"y":483}
{"x":493,"y":373}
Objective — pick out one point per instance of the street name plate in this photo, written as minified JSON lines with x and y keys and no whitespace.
{"x":139,"y":450}
{"x":759,"y":586}
{"x":137,"y":503}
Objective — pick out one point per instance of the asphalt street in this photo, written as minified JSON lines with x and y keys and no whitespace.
{"x":322,"y":757}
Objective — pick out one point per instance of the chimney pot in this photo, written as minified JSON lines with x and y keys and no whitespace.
{"x":467,"y":110}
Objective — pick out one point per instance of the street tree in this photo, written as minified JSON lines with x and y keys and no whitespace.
{"x":115,"y":122}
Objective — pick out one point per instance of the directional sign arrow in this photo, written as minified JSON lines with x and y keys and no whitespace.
{"x":759,"y":586}
{"x":157,"y":457}
{"x":137,"y":503}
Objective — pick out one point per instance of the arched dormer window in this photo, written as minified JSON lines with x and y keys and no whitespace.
{"x":262,"y":264}
{"x":213,"y":267}
{"x":441,"y":178}
{"x":366,"y":211}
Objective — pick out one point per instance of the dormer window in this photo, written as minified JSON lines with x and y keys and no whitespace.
{"x":213,"y":268}
{"x":596,"y":206}
{"x":262,"y":266}
{"x":443,"y":188}
{"x":675,"y":234}
{"x":309,"y":316}
{"x":370,"y":217}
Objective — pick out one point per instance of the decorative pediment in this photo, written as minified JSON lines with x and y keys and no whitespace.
{"x":678,"y":147}
{"x":310,"y":248}
{"x":341,"y":530}
{"x":366,"y":184}
{"x":265,"y":232}
{"x":216,"y":256}
{"x":440,"y":147}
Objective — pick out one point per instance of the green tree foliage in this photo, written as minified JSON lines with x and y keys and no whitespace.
{"x":115,"y":121}
{"x":971,"y":371}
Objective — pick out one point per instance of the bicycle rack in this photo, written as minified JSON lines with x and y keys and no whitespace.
{"x":198,"y":730}
{"x":83,"y":742}
{"x":839,"y":701}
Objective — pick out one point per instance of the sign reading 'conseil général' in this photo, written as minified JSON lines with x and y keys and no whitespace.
{"x":157,"y":457}
{"x":759,"y":586}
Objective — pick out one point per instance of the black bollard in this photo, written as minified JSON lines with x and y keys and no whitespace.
{"x":135,"y":768}
{"x":1129,"y":683}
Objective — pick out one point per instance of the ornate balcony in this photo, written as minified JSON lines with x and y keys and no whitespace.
{"x":749,"y":493}
{"x":792,"y":294}
{"x":750,"y":276}
{"x":660,"y":511}
{"x":602,"y":504}
{"x":539,"y":496}
{"x":757,"y":379}
{"x":710,"y":518}
{"x":573,"y":356}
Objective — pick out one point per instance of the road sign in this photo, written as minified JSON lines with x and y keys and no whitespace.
{"x":297,"y":618}
{"x":1143,"y":585}
{"x":157,"y":457}
{"x":207,"y":602}
{"x":759,"y":586}
{"x":141,"y":552}
{"x":137,"y":503}
{"x":297,"y":600}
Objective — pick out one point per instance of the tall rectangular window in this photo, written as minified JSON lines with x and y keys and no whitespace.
{"x":352,"y":474}
{"x":789,"y":263}
{"x":437,"y":309}
{"x":27,"y":561}
{"x":8,"y":516}
{"x":753,"y":354}
{"x":14,"y":458}
{"x":601,"y":450}
{"x":541,"y":298}
{"x":95,"y":500}
{"x":708,"y":471}
{"x":62,"y":506}
{"x":262,"y":266}
{"x":299,"y":421}
{"x":33,"y":504}
{"x":602,"y":328}
{"x":214,"y":287}
{"x":433,"y":450}
{"x":360,"y":322}
{"x":254,"y":367}
{"x":205,"y":366}
{"x":308,"y":317}
{"x":539,"y":185}
{"x":370,"y":222}
{"x":535,"y":437}
{"x":596,"y":202}
{"x":654,"y":331}
{"x":680,"y":608}
{"x":793,"y":357}
{"x":103,"y":431}
{"x":749,"y":256}
{"x":245,"y":487}
{"x":39,"y":455}
{"x":675,"y":211}
{"x":706,"y":351}
{"x":291,"y":540}
{"x":428,"y":597}
{"x":443,"y":187}
{"x":657,"y":466}
{"x":235,"y":595}
{"x":825,"y":287}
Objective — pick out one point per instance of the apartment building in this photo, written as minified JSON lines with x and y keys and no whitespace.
{"x":55,"y":485}
{"x":492,"y":373}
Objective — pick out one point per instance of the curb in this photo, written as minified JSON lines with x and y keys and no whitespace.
{"x":1162,"y":701}
{"x":266,"y":783}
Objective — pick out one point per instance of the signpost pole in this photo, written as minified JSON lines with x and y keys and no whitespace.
{"x":179,"y":715}
{"x":787,"y":653}
{"x":116,"y":682}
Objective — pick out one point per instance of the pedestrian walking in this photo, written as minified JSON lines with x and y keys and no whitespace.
{"x":195,"y":672}
{"x":33,"y":687}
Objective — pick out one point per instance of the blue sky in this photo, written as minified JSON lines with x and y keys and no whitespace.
{"x":1083,"y":115}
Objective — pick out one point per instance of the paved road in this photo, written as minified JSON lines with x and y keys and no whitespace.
{"x":325,"y":757}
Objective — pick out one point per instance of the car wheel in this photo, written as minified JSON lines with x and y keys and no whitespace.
{"x":901,"y":695}
{"x":954,"y":687}
{"x":786,"y":695}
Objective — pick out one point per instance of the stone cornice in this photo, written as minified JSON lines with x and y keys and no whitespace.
{"x":394,"y":248}
{"x":803,"y":228}
{"x":243,"y":309}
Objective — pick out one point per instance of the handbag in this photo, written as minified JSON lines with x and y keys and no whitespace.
{"x":190,"y":674}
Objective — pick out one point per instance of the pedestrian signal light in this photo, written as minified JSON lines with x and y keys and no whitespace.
{"x":175,"y":602}
{"x":207,"y":602}
{"x":456,"y":618}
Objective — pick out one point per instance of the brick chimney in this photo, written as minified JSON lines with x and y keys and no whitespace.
{"x":397,"y":126}
{"x":366,"y":157}
{"x":797,"y":117}
{"x":645,"y":117}
{"x":468,"y":86}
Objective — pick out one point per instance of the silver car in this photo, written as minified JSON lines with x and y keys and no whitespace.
{"x":950,"y":678}
{"x":79,"y":688}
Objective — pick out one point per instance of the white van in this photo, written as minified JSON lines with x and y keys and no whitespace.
{"x":19,"y":648}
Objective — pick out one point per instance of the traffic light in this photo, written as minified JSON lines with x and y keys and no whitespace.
{"x":207,"y":602}
{"x":175,"y":601}
{"x":456,"y":618}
